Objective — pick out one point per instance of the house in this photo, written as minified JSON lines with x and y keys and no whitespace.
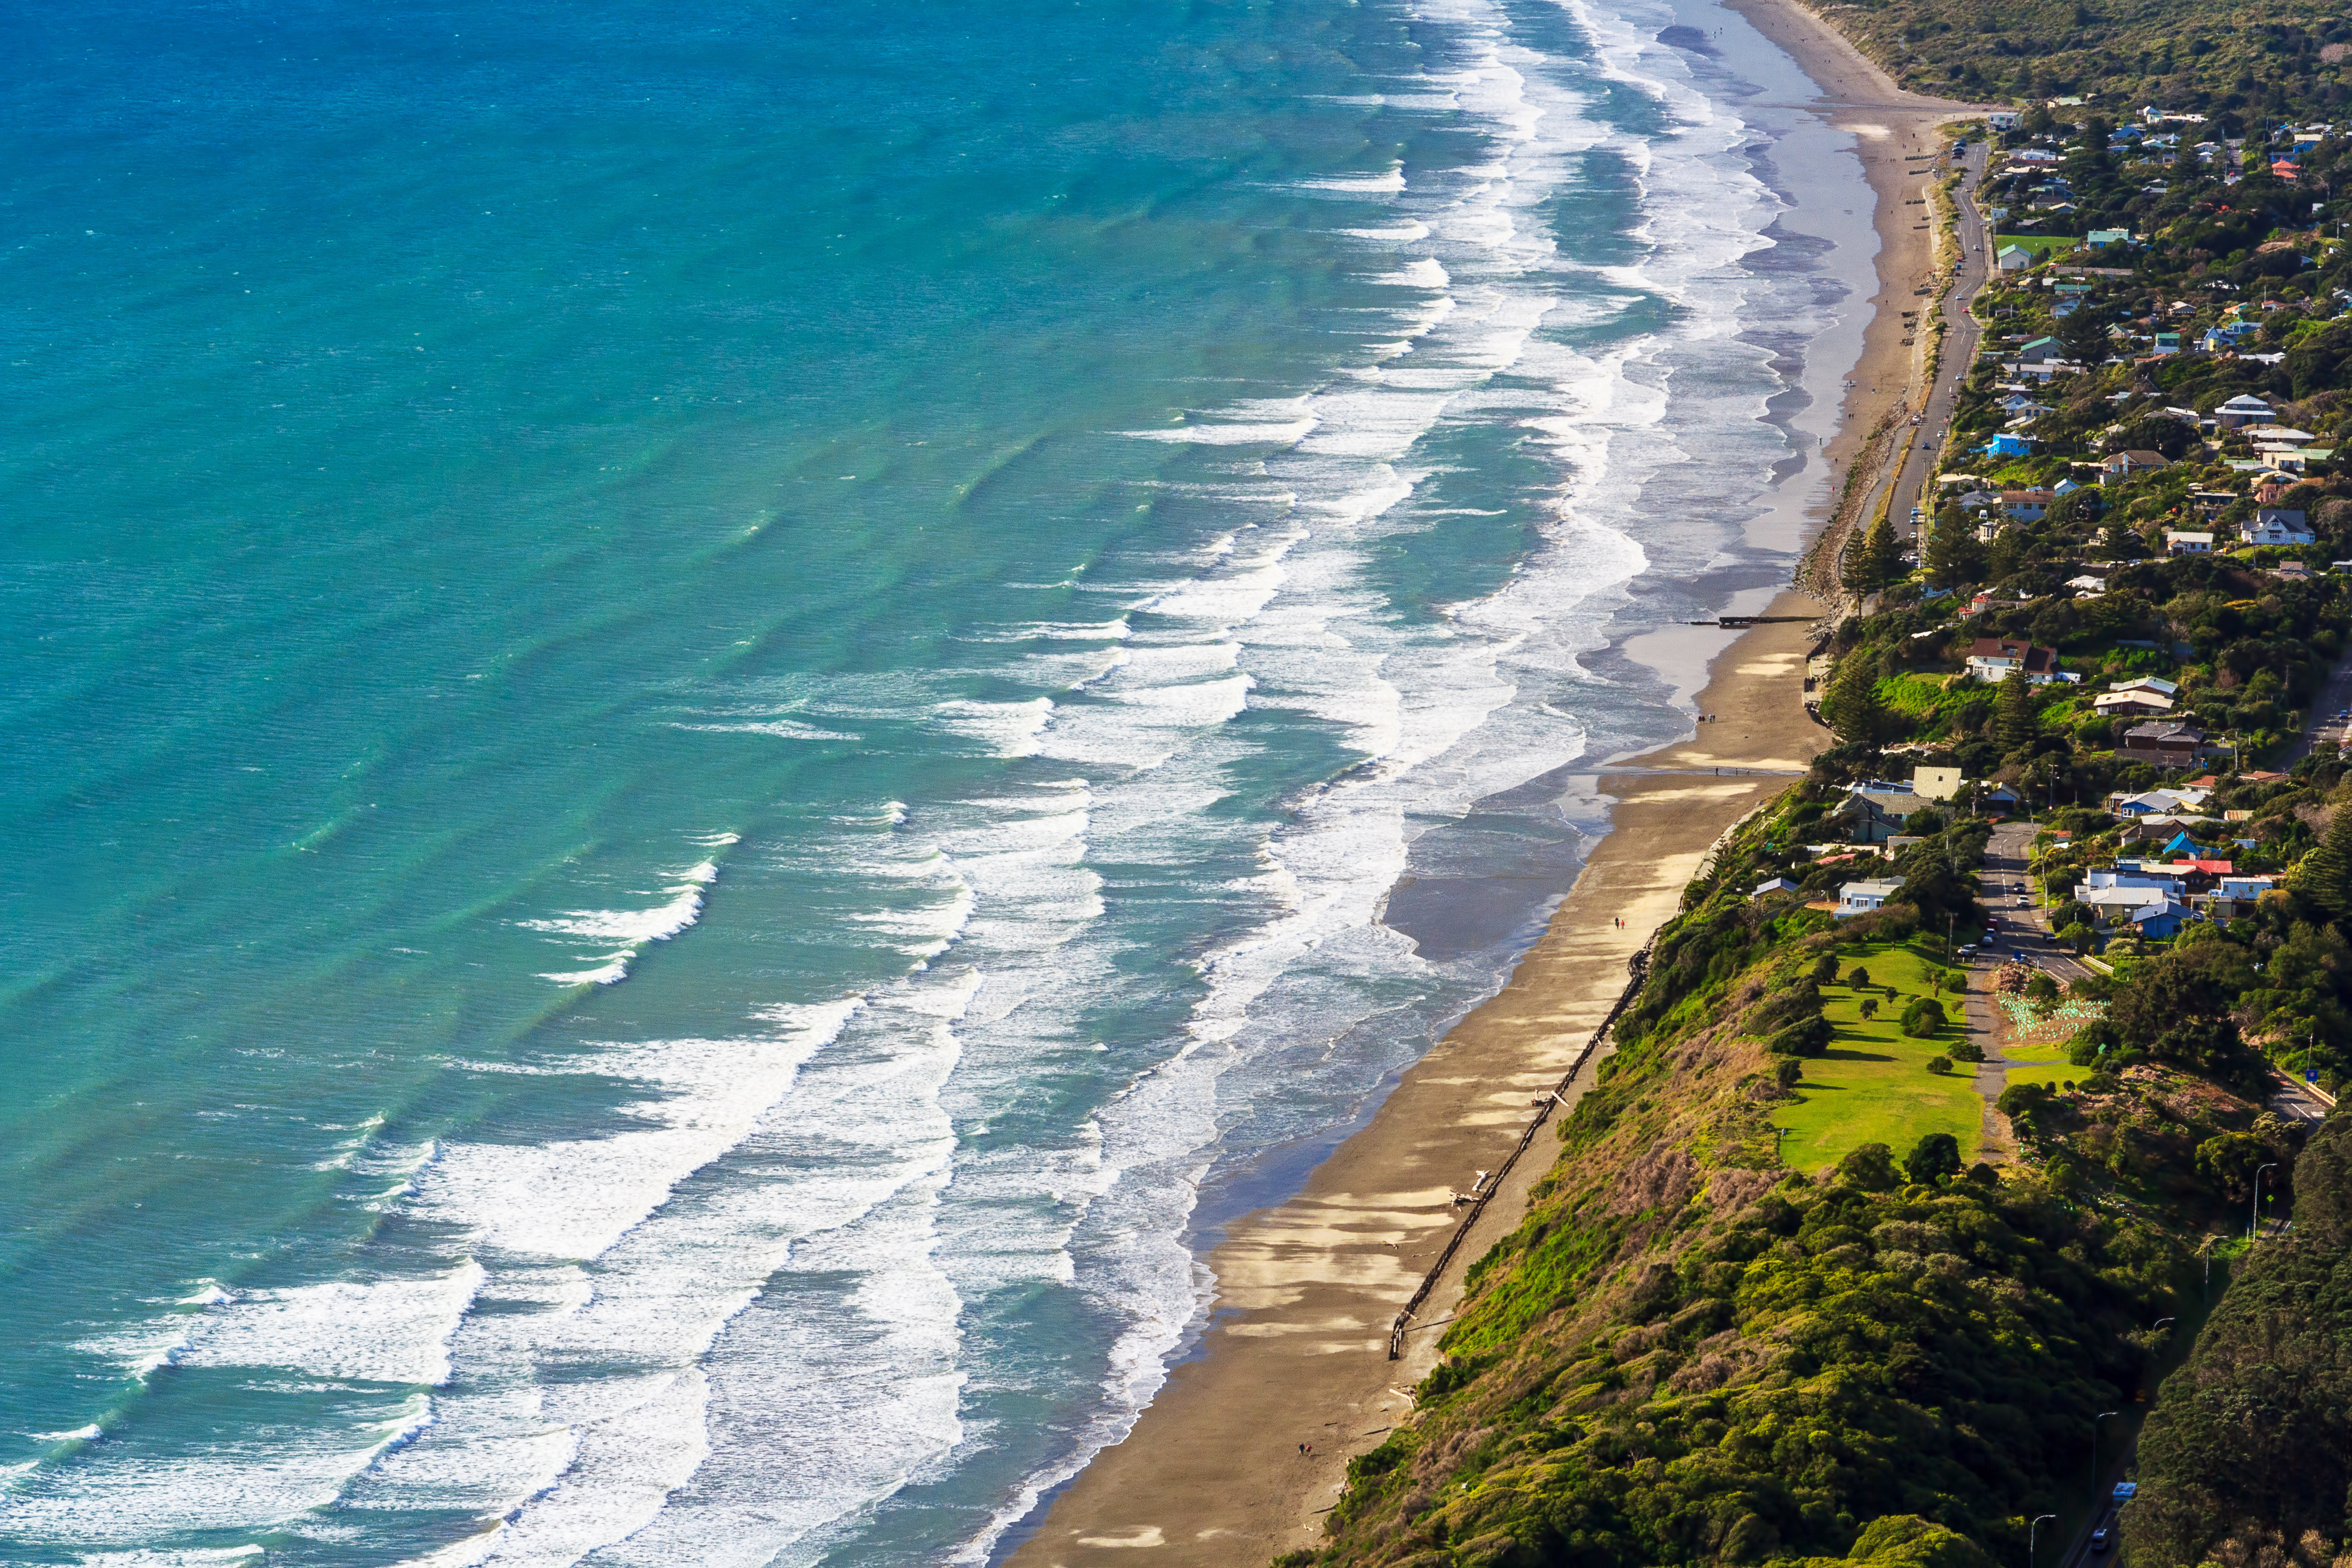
{"x":2013,"y":259}
{"x":1994,"y":658}
{"x":2027,"y":506}
{"x":2186,"y":542}
{"x":2110,"y":904}
{"x":2155,"y":683}
{"x":2245,"y":408}
{"x":1861,"y":898}
{"x":1879,"y":809}
{"x":1935,"y":783}
{"x":2007,"y":445}
{"x":2132,"y":704}
{"x":1999,"y":801}
{"x":2276,"y":525}
{"x":2165,"y":344}
{"x":2066,"y":488}
{"x":1977,"y":499}
{"x":2161,"y":922}
{"x":2124,"y":465}
{"x":2165,"y":744}
{"x":2099,"y":237}
{"x":2157,"y":801}
{"x":2283,"y":437}
{"x":1773,"y":884}
{"x":2041,"y":351}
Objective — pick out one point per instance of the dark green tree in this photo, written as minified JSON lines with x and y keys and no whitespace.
{"x":1934,"y":1157}
{"x":1954,"y":559}
{"x":1870,"y":1167}
{"x":2014,"y":720}
{"x":2324,"y":876}
{"x":1852,"y":704}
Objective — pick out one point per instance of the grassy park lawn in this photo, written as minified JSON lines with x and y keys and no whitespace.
{"x":2043,"y":1063}
{"x":1873,"y":1086}
{"x":2042,"y":245}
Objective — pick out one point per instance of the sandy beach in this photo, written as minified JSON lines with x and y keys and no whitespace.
{"x":1218,"y":1470}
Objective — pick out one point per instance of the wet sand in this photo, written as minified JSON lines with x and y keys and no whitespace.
{"x":1215,"y":1472}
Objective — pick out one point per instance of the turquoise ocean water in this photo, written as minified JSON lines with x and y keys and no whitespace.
{"x":713,"y":719}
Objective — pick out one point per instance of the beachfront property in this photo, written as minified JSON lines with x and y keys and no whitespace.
{"x":1879,"y":810}
{"x":1861,"y":898}
{"x":1996,"y":659}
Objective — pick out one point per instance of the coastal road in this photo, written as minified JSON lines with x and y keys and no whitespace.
{"x":1925,"y":440}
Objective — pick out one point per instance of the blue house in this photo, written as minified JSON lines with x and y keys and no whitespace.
{"x":2161,"y":921}
{"x":2008,"y":447}
{"x":2183,"y":845}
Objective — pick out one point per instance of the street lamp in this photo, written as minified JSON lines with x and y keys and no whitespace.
{"x":2031,"y":1531}
{"x":2102,"y":1416}
{"x":2254,"y":1221}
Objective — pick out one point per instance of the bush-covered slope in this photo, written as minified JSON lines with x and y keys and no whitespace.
{"x":1688,"y":1354}
{"x":2250,"y":1453}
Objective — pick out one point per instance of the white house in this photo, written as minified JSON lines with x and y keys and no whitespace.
{"x":2136,"y":704}
{"x":1993,"y":658}
{"x":2186,"y":542}
{"x":1861,"y":898}
{"x":1773,"y":884}
{"x":2013,"y":259}
{"x":2276,"y":525}
{"x":2155,"y":683}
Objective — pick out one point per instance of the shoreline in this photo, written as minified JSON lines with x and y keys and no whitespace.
{"x":1216,"y":1470}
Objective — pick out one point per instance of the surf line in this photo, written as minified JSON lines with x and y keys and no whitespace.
{"x":1640,"y":966}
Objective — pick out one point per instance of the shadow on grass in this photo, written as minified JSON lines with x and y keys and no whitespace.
{"x":1853,"y":1056}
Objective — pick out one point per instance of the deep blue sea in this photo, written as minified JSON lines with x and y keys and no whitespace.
{"x":715,"y":719}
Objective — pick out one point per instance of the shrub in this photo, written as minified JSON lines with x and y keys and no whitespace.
{"x":1924,"y":1020}
{"x":1966,"y":1050}
{"x":1858,"y":977}
{"x":1939,"y":1064}
{"x":1824,"y":970}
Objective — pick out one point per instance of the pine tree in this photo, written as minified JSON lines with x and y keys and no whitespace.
{"x":1852,"y":704}
{"x":1862,"y":572}
{"x":2324,"y":876}
{"x":1954,"y":559}
{"x":2013,"y":719}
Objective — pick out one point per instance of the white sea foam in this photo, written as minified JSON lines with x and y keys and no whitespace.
{"x":722,"y":1324}
{"x":79,"y":1435}
{"x":624,"y":933}
{"x":382,"y":1331}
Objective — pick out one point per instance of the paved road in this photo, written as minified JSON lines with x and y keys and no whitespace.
{"x":2333,"y":698}
{"x":2020,"y":926}
{"x":1925,"y":440}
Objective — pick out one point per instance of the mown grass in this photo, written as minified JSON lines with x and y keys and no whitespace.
{"x":1873,"y":1086}
{"x":2041,"y":244}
